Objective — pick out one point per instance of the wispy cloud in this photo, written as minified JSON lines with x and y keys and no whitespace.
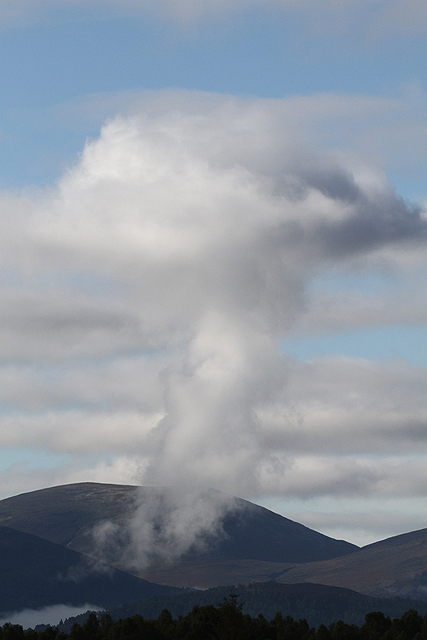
{"x":166,"y":524}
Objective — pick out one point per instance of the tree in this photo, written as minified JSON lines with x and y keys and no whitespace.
{"x":376,"y":624}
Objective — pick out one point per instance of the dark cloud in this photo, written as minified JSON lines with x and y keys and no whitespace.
{"x":373,"y":224}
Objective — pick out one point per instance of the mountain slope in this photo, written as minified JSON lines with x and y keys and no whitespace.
{"x":396,"y":566}
{"x":58,"y":514}
{"x":36,"y":573}
{"x":257,"y":541}
{"x":257,"y":545}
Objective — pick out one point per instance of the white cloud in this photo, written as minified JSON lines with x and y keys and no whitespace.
{"x":144,"y":299}
{"x":165,"y":525}
{"x":362,"y":521}
{"x":366,"y":135}
{"x":402,"y":302}
{"x":355,"y":476}
{"x":349,"y":406}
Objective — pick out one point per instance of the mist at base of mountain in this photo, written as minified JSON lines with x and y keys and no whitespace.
{"x":53,"y":615}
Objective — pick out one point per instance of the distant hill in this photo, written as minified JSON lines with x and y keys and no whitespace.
{"x":36,"y":573}
{"x":318,"y":604}
{"x":258,"y":544}
{"x":396,"y":566}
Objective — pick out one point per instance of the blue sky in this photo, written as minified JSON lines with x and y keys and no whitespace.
{"x":60,"y":55}
{"x":191,"y":191}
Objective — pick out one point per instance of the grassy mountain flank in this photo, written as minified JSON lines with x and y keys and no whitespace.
{"x":396,"y":566}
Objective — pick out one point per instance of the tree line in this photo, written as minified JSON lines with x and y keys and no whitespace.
{"x":226,"y":621}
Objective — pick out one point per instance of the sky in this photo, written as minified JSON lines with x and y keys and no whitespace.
{"x":213,"y":265}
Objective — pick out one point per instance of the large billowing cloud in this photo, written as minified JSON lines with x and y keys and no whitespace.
{"x":145,"y":298}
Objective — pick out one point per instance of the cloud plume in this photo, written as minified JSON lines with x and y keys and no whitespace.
{"x":145,"y":298}
{"x":166,"y":524}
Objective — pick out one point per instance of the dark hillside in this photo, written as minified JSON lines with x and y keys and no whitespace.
{"x":36,"y":573}
{"x":259,"y":534}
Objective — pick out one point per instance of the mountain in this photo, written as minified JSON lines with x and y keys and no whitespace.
{"x":42,"y":535}
{"x":36,"y":573}
{"x":256,"y":544}
{"x":396,"y":566}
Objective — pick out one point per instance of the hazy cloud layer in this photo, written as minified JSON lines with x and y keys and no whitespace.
{"x":29,"y":618}
{"x":364,"y":521}
{"x":145,"y":298}
{"x":378,"y":18}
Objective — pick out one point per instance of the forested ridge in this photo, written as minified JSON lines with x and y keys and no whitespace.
{"x":317,"y":603}
{"x":226,"y":621}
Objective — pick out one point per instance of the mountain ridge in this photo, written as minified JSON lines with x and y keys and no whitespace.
{"x":68,"y":515}
{"x":257,"y":545}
